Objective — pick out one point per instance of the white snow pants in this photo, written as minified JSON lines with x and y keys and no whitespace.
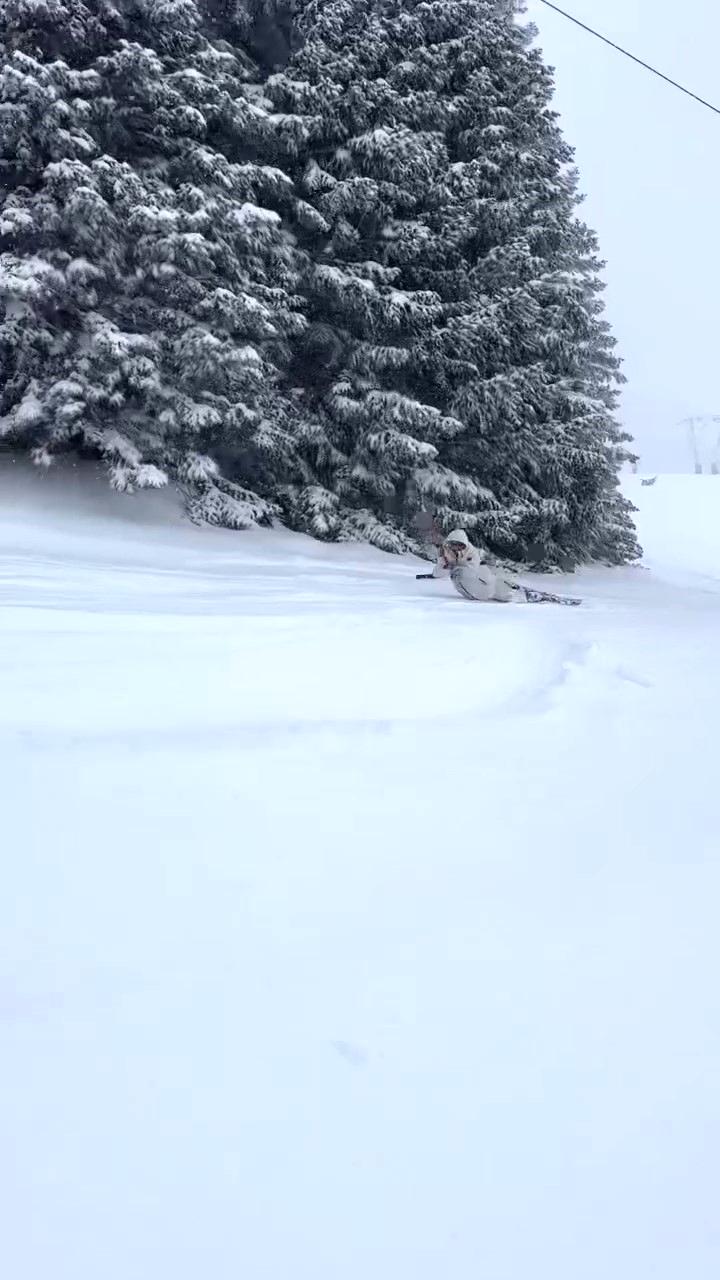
{"x":480,"y":582}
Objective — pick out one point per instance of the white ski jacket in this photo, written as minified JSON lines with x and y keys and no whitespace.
{"x":472,"y":576}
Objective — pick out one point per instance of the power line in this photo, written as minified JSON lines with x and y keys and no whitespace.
{"x":631,"y":56}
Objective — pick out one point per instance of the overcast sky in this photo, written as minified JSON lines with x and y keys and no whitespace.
{"x":649,"y":165}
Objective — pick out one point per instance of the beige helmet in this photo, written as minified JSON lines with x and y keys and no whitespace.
{"x":459,"y":536}
{"x":457,"y":546}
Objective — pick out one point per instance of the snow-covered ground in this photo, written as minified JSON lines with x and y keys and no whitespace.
{"x":351,"y":931}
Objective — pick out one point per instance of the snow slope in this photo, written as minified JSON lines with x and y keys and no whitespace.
{"x":350,"y":930}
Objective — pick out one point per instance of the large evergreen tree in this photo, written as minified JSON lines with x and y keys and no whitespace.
{"x":415,"y":323}
{"x":148,"y":287}
{"x":455,"y":295}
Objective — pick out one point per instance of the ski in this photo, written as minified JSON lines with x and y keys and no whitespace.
{"x":546,"y":597}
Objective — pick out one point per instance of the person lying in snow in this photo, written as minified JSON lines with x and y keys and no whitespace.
{"x":475,"y":579}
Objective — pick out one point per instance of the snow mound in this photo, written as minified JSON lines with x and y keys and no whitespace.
{"x":678,"y":523}
{"x":350,"y":929}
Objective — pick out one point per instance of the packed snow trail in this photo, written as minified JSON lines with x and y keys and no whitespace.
{"x":349,"y":929}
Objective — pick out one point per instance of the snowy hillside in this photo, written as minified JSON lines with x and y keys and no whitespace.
{"x":352,"y":931}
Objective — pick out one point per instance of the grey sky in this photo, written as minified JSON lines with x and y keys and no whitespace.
{"x":648,"y":160}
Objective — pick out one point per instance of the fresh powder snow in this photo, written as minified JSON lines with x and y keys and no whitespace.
{"x":351,"y":931}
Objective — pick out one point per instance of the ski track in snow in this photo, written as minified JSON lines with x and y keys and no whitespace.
{"x":350,"y":929}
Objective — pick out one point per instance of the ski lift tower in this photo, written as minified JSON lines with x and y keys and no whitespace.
{"x":701,"y":426}
{"x":715,"y":460}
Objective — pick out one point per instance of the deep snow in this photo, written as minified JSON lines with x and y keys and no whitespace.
{"x":350,"y":930}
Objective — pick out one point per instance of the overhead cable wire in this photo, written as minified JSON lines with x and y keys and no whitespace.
{"x":626,"y":53}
